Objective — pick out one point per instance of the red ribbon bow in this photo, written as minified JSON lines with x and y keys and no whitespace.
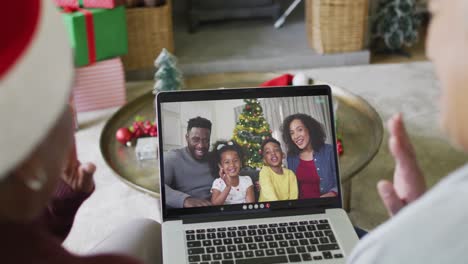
{"x":89,"y":31}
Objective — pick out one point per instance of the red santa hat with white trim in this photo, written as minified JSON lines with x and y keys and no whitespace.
{"x":36,"y":74}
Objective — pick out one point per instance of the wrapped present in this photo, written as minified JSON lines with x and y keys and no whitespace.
{"x":89,"y":3}
{"x":96,"y":34}
{"x":99,"y":86}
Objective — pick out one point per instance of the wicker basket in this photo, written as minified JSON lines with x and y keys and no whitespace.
{"x":149,"y":31}
{"x":336,"y":25}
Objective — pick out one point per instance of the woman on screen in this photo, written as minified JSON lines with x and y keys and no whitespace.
{"x":309,"y":157}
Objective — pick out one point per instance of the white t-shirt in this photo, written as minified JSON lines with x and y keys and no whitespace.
{"x":238,"y":193}
{"x":431,"y":230}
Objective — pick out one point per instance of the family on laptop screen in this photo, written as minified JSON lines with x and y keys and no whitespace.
{"x":201,"y":174}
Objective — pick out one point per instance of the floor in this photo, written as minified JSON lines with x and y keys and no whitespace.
{"x":254,"y":45}
{"x":249,"y":45}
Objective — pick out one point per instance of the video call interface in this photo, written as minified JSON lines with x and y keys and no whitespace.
{"x":241,"y":153}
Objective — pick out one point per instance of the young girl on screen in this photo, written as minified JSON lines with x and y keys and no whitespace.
{"x":230,"y":188}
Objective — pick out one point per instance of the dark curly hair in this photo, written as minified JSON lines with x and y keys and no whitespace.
{"x":266,"y":141}
{"x":219,"y":147}
{"x":198,"y":122}
{"x":314,"y":127}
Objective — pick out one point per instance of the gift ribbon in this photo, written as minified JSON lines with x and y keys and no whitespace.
{"x":89,"y":23}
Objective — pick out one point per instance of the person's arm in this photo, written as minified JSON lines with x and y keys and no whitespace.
{"x":408,"y":180}
{"x":59,"y":215}
{"x":250,"y":196}
{"x":75,"y":186}
{"x":293,"y":190}
{"x":218,"y":197}
{"x":267,"y":190}
{"x":174,"y":198}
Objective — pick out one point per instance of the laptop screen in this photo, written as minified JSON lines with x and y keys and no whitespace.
{"x":247,"y":150}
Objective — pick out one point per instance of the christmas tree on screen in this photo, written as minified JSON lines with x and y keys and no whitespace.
{"x":250,"y":131}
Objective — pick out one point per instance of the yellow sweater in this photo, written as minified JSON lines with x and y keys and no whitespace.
{"x":277,"y":187}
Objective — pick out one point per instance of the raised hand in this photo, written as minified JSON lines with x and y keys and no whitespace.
{"x":408,"y":181}
{"x":225,"y":178}
{"x":79,"y":176}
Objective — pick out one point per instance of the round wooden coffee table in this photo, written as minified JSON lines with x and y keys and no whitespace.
{"x":358,"y":123}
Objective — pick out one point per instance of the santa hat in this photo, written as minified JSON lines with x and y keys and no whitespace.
{"x":36,"y":73}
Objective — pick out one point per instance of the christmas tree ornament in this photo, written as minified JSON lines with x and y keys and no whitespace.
{"x":123,"y":135}
{"x":140,"y":128}
{"x":339,"y":146}
{"x":168,"y":77}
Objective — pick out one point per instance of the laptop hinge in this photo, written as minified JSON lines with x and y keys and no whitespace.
{"x":244,"y":216}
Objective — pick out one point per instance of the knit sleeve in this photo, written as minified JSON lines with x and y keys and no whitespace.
{"x":60,"y":213}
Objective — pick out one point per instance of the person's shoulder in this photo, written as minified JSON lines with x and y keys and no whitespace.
{"x":327,"y":147}
{"x":246,"y":179}
{"x":265,"y":169}
{"x":288,"y":171}
{"x":217,"y":180}
{"x":174,"y":153}
{"x":218,"y":184}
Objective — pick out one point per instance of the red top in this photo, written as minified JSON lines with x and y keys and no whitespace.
{"x":308,"y":180}
{"x":40,"y":242}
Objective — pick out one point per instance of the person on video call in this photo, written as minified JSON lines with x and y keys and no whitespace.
{"x":309,"y":157}
{"x":42,"y":182}
{"x":230,"y":188}
{"x":428,"y":227}
{"x":277,"y":183}
{"x":187,"y":173}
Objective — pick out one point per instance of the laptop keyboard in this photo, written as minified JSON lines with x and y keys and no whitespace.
{"x":262,"y":244}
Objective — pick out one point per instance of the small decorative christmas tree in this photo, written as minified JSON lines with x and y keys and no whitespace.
{"x":396,"y":24}
{"x":168,"y":77}
{"x":250,"y":131}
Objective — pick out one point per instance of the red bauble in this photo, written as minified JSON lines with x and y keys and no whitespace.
{"x":339,"y":147}
{"x":247,"y":107}
{"x":123,"y":135}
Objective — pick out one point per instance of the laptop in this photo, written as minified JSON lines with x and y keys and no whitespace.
{"x":302,"y":230}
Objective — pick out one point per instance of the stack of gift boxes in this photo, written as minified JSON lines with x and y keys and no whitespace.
{"x":98,"y":35}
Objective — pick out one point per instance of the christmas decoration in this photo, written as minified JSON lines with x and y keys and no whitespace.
{"x":168,"y":77}
{"x":250,"y":131}
{"x":96,"y":34}
{"x":283,"y":80}
{"x":99,"y":86}
{"x":139,"y":128}
{"x":123,"y":135}
{"x":146,"y":148}
{"x":339,"y":147}
{"x":89,"y":3}
{"x":300,"y":79}
{"x":396,"y":24}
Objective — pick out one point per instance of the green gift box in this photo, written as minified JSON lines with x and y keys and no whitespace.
{"x":96,"y":34}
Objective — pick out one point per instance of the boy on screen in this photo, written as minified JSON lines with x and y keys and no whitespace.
{"x":276,"y":183}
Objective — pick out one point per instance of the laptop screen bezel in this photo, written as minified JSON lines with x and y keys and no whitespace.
{"x":244,"y":93}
